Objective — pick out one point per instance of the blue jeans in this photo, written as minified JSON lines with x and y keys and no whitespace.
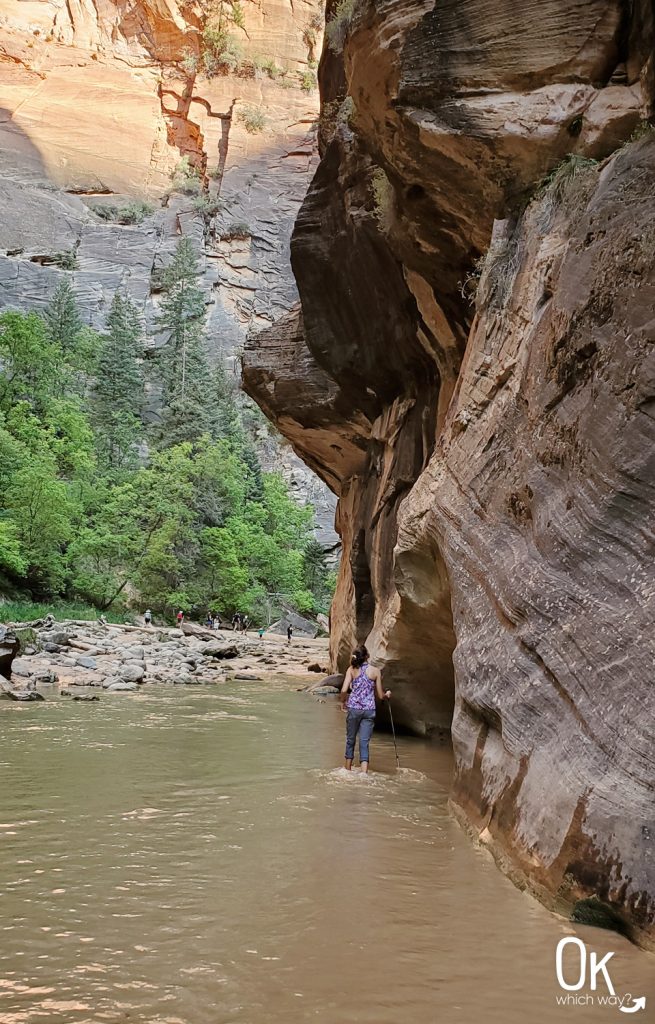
{"x":361,"y":722}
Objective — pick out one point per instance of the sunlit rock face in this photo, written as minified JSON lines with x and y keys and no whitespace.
{"x":99,"y":104}
{"x":496,"y":505}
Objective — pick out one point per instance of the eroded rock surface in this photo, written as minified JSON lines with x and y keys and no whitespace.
{"x":497,"y":512}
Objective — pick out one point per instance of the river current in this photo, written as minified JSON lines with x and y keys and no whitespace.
{"x":196,"y":856}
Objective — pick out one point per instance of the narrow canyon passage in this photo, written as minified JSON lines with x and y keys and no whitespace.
{"x":196,"y":857}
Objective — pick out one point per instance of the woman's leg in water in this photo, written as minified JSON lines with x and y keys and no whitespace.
{"x":365,"y":732}
{"x":353,"y":718}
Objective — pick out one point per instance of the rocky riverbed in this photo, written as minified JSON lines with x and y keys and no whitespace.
{"x":79,"y":659}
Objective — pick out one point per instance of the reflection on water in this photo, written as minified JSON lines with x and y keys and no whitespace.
{"x":197,"y":858}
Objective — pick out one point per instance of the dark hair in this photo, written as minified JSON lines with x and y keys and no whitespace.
{"x":359,"y":656}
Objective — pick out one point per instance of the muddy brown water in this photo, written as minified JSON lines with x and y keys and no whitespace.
{"x":196,"y":858}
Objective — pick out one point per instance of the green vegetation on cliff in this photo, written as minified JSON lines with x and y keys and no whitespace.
{"x":97,"y":506}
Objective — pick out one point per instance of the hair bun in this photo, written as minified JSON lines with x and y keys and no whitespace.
{"x":359,"y":656}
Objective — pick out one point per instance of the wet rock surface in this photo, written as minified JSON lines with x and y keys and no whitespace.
{"x":489,"y":427}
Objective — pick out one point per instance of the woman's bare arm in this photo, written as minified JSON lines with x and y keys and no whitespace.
{"x":381,"y":694}
{"x":346,"y":686}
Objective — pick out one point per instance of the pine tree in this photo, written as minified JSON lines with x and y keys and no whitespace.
{"x":63,"y":319}
{"x":227,"y":422}
{"x":119,"y":392}
{"x":184,"y":369}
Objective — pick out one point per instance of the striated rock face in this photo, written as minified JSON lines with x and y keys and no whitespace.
{"x":496,"y":507}
{"x":99,"y":103}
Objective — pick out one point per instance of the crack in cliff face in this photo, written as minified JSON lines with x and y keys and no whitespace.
{"x":493,"y":518}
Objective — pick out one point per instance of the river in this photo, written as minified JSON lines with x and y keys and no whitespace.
{"x":193,"y":857}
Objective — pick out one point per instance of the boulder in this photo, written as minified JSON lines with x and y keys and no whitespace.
{"x":221,"y":651}
{"x":325,"y":691}
{"x":132,"y":672}
{"x":85,"y":696}
{"x":84,"y":661}
{"x":56,"y":636}
{"x":45,"y":676}
{"x":335,"y":681}
{"x":8,"y":649}
{"x":51,"y":648}
{"x":300,"y":625}
{"x":20,"y":667}
{"x":122,"y":685}
{"x":23,"y":695}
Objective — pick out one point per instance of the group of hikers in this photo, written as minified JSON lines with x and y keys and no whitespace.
{"x":240,"y":622}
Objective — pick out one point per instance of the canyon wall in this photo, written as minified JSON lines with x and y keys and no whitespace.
{"x":100,"y":102}
{"x":471,"y":369}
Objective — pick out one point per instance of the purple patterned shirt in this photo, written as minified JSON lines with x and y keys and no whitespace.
{"x":362,"y":692}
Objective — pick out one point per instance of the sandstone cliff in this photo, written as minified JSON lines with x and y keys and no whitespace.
{"x":473,"y":374}
{"x":100,"y":102}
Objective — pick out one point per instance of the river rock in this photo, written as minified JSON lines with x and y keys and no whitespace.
{"x":221,"y":651}
{"x":9,"y":645}
{"x":45,"y":676}
{"x":51,"y":648}
{"x":66,"y":661}
{"x":122,"y":685}
{"x":24,"y":695}
{"x":20,"y":667}
{"x":132,"y":671}
{"x":85,"y":696}
{"x":55,"y":636}
{"x":84,"y":661}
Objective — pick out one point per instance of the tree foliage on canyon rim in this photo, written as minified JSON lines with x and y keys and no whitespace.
{"x":96,"y":504}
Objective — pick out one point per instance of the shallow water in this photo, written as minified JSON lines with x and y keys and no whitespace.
{"x":196,"y":858}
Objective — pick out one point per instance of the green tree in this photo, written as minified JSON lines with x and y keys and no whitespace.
{"x":11,"y":556}
{"x":183,"y":365}
{"x":42,"y":512}
{"x":118,"y":392}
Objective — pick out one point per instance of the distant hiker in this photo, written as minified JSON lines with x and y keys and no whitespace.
{"x":180,"y":618}
{"x":147,"y":616}
{"x":364,"y":682}
{"x":261,"y":632}
{"x":209,"y":622}
{"x":235,"y":621}
{"x":289,"y":633}
{"x":246,"y":623}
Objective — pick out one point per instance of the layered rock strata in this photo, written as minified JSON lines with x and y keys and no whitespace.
{"x":475,"y":264}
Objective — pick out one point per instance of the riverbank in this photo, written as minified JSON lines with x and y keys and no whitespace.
{"x":123,"y":658}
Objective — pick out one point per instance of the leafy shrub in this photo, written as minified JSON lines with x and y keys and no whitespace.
{"x":186,"y":177}
{"x":131,"y":213}
{"x":269,"y":67}
{"x":568,"y":181}
{"x":207,"y":205}
{"x":253,"y":119}
{"x":190,"y":62}
{"x":308,"y":81}
{"x":67,"y":259}
{"x":235,"y":231}
{"x":337,"y":27}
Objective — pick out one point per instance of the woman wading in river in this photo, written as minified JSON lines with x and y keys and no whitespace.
{"x":364,"y":682}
